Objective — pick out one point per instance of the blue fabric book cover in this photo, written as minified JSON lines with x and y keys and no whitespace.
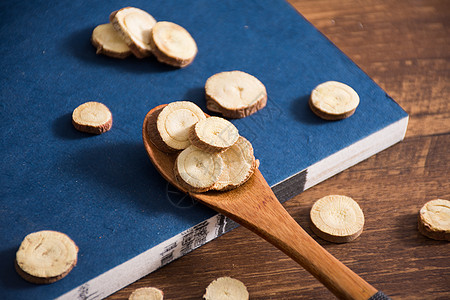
{"x":102,"y":190}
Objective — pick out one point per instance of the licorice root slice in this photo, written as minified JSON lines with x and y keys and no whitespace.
{"x":146,"y":293}
{"x":170,"y":126}
{"x":239,"y":165}
{"x":235,"y":94}
{"x":108,"y":42}
{"x":46,"y":256}
{"x":333,"y":100}
{"x":434,"y":219}
{"x":213,"y":134}
{"x":134,"y":26}
{"x":337,"y":218}
{"x":172,"y":44}
{"x":197,"y":170}
{"x":92,"y":117}
{"x":226,"y":288}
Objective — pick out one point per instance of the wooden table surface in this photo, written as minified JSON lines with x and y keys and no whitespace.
{"x":404,"y":45}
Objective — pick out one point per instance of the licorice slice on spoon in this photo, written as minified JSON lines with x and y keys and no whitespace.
{"x":213,"y":134}
{"x":169,"y":127}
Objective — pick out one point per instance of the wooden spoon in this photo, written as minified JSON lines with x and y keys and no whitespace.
{"x":255,"y":206}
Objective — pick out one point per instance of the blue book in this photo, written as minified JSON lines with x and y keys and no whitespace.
{"x":102,"y":190}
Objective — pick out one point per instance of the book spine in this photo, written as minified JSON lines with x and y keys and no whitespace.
{"x":152,"y":259}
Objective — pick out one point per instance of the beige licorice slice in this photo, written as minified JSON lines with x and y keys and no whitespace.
{"x":147,"y":293}
{"x":46,"y":256}
{"x":198,"y":170}
{"x":213,"y":134}
{"x":108,"y":42}
{"x":169,"y":127}
{"x":235,"y":94}
{"x":172,"y":44}
{"x":239,"y":165}
{"x":333,"y":100}
{"x":434,"y":219}
{"x":92,"y":117}
{"x":337,"y":218}
{"x":226,"y":288}
{"x":134,"y":26}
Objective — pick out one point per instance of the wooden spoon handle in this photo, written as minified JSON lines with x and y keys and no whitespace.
{"x":260,"y":211}
{"x":289,"y":237}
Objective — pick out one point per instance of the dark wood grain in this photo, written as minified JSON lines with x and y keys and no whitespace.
{"x":405,"y":47}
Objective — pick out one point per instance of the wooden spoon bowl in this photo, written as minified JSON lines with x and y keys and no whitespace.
{"x":254,"y":205}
